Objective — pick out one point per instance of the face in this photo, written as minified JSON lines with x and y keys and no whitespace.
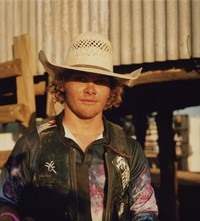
{"x":86,"y":94}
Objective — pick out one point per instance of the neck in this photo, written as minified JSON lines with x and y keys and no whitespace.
{"x":77,"y":124}
{"x":84,"y":130}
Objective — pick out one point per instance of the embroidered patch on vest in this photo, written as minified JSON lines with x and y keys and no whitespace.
{"x":124,"y":170}
{"x":50,"y":166}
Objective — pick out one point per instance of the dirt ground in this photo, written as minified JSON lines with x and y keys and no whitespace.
{"x":188,"y":193}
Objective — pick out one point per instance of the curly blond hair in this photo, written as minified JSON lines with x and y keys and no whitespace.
{"x":114,"y":99}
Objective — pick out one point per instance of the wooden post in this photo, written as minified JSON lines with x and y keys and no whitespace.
{"x":168,"y":167}
{"x":25,"y":82}
{"x":4,"y":154}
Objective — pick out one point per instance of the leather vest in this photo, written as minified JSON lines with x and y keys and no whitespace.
{"x":54,"y":176}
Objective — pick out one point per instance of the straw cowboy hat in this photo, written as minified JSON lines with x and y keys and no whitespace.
{"x":89,"y":52}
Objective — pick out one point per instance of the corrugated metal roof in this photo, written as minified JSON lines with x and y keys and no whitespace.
{"x":140,"y":30}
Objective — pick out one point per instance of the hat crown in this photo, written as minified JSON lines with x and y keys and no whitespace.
{"x":92,"y":50}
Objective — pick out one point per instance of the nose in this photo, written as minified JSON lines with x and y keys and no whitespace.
{"x":90,"y":88}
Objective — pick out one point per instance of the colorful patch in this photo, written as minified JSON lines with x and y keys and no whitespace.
{"x":124,"y":170}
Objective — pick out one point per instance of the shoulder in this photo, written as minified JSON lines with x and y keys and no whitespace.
{"x":30,"y":141}
{"x":51,"y":123}
{"x":119,"y":139}
{"x":112,"y":128}
{"x":46,"y":124}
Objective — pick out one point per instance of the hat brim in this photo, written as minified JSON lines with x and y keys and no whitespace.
{"x":55,"y":70}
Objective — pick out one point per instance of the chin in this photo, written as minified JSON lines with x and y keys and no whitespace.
{"x":88,"y":116}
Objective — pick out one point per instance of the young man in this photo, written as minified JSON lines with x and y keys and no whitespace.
{"x":78,"y":166}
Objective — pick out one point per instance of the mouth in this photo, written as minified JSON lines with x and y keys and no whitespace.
{"x":89,"y":101}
